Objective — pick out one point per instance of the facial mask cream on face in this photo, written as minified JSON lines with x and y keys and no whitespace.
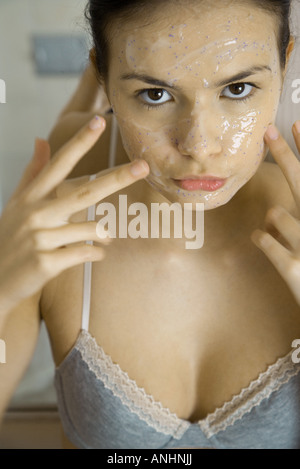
{"x":195,"y":102}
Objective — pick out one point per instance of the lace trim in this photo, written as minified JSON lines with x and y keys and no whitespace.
{"x":268,"y":382}
{"x":134,"y":397}
{"x":161,"y":418}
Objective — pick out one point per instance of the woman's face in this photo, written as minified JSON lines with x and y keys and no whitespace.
{"x":194,"y":87}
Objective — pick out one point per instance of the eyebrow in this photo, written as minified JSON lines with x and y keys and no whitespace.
{"x":164,"y":84}
{"x":149,"y":80}
{"x":242,"y":75}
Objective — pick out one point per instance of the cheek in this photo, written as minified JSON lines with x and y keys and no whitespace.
{"x":134,"y":139}
{"x":243,"y":138}
{"x":141,"y":142}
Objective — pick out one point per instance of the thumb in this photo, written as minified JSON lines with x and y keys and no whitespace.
{"x":39,"y":160}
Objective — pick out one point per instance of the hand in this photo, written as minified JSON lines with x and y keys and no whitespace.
{"x":36,"y":237}
{"x":285,"y":254}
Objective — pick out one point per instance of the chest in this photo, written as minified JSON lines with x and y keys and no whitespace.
{"x":190,"y":332}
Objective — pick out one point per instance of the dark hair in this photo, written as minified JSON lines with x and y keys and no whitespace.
{"x":282,"y":9}
{"x":100,"y":13}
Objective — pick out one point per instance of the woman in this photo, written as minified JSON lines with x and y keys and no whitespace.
{"x":165,"y":347}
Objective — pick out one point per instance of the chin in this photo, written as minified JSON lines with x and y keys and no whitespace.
{"x":208,"y":202}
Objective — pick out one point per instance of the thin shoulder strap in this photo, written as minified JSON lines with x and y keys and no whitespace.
{"x":87,"y":276}
{"x":113,"y":142}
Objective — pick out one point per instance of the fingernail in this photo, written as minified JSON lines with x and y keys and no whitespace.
{"x":297,"y":126}
{"x":96,"y":123}
{"x":272,"y":132}
{"x":138,"y":167}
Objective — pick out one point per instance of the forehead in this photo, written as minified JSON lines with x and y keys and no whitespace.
{"x":185,"y":35}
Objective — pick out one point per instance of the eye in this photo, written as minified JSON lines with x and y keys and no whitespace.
{"x":238,"y":90}
{"x":155,"y":96}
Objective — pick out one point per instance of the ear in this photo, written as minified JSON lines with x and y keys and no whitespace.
{"x":290,"y":48}
{"x":289,"y":51}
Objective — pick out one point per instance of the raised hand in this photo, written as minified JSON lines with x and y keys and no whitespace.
{"x":284,"y":255}
{"x":37,"y":241}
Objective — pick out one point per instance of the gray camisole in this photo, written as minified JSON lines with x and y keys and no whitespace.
{"x":101,"y":407}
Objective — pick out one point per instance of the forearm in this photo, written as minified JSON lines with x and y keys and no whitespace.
{"x":89,"y":96}
{"x":19,"y":334}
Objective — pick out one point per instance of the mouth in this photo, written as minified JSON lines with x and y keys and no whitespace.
{"x":200,"y":183}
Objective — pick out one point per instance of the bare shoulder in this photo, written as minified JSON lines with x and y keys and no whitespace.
{"x":275,"y":187}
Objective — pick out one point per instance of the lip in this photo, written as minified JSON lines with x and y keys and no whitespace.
{"x":203,"y":183}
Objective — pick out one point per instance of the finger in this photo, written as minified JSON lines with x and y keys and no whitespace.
{"x":53,"y":263}
{"x":296,"y":133}
{"x":287,"y":161}
{"x":47,"y":240}
{"x":275,"y":252}
{"x":286,"y":225}
{"x":40,"y":158}
{"x":90,"y":193}
{"x":65,"y":160}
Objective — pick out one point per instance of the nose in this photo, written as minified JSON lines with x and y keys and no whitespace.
{"x":200,"y":137}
